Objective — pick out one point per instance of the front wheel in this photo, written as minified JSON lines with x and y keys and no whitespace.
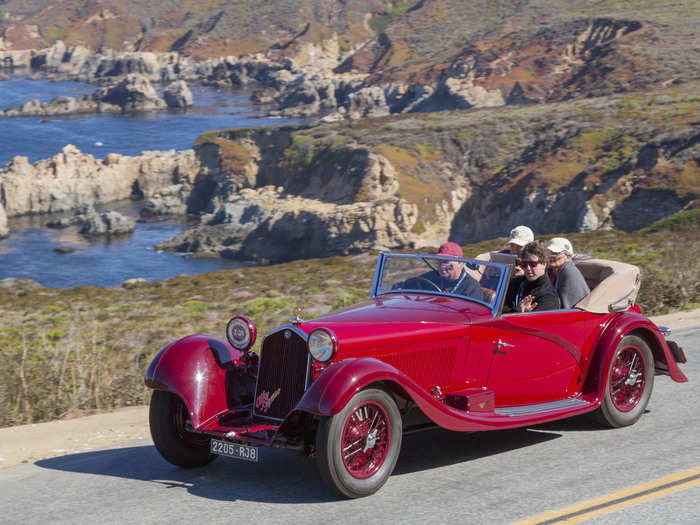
{"x":629,"y":382}
{"x":357,"y":449}
{"x":168,"y":419}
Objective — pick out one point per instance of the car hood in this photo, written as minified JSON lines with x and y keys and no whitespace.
{"x":394,"y":320}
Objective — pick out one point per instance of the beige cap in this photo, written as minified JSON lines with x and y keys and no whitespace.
{"x":521,"y":235}
{"x":559,"y":245}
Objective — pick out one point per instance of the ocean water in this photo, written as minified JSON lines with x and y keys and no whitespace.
{"x":99,"y":134}
{"x":29,"y":250}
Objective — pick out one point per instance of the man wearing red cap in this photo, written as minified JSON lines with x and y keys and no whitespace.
{"x":451,"y":276}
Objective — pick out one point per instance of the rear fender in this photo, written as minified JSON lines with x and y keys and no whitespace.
{"x":631,"y":324}
{"x":194,"y":368}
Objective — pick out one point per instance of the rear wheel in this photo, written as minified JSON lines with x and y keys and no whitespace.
{"x":629,"y":382}
{"x":168,"y":419}
{"x":357,"y":449}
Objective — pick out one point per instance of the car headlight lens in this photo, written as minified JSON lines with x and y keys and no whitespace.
{"x":241,"y":333}
{"x":322,"y":344}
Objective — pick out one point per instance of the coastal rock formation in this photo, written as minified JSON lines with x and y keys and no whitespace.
{"x":19,"y":285}
{"x":162,"y":207}
{"x":132,"y":93}
{"x":178,"y":95}
{"x":266,"y":224}
{"x":73,"y":179}
{"x":107,"y":223}
{"x":413,"y":181}
{"x":92,"y":223}
{"x":3,"y":222}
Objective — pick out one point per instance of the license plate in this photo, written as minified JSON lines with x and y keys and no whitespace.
{"x":234,"y":450}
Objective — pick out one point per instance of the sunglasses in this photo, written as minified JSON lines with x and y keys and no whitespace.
{"x":531,"y":264}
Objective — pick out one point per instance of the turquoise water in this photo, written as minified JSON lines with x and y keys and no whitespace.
{"x":29,"y":250}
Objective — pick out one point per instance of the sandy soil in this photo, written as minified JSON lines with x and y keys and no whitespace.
{"x":28,"y":443}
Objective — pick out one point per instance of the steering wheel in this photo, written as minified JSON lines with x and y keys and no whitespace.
{"x":433,"y":286}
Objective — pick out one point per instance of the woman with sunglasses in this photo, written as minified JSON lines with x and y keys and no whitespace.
{"x":533,"y":291}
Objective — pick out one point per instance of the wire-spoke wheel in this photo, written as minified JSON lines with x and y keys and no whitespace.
{"x":357,"y":449}
{"x":168,"y":419}
{"x":629,"y":382}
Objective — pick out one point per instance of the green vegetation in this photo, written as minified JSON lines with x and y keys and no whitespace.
{"x":307,"y":150}
{"x":380,"y":21}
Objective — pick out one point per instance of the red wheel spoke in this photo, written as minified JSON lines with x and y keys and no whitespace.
{"x":365,"y":440}
{"x":628,"y":378}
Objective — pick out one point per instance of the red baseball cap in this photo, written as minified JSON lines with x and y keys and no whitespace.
{"x":451,"y":248}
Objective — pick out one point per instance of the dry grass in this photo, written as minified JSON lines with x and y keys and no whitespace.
{"x":87,"y":348}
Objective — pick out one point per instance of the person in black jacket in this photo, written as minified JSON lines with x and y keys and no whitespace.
{"x":533,"y":291}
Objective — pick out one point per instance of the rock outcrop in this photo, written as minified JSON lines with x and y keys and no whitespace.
{"x":3,"y":222}
{"x":178,"y":95}
{"x":73,"y":179}
{"x":266,"y":224}
{"x":132,"y":93}
{"x":108,"y":223}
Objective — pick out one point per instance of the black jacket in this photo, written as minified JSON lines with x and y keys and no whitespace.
{"x":541,"y":288}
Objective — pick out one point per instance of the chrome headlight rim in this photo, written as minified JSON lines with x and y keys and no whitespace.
{"x":322,"y":345}
{"x":241,"y":333}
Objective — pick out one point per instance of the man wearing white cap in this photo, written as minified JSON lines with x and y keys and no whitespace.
{"x":568,"y":280}
{"x":519,"y":237}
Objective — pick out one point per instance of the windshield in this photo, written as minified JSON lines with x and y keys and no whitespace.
{"x":476,"y":280}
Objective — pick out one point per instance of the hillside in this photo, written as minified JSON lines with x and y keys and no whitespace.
{"x":496,"y":52}
{"x":405,"y":181}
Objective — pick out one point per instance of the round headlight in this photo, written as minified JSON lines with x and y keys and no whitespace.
{"x":322,"y":344}
{"x":241,"y":333}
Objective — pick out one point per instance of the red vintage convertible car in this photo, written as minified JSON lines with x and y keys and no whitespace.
{"x":343,"y":388}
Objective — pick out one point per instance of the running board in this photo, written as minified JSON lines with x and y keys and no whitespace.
{"x":552,"y":406}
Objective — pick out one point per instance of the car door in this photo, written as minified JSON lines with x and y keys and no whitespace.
{"x":534,"y":357}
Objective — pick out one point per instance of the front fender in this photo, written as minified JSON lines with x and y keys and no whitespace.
{"x":625,"y":324}
{"x":193,"y":368}
{"x":334,"y":388}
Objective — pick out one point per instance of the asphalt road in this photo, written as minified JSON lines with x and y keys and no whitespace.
{"x":441,"y":477}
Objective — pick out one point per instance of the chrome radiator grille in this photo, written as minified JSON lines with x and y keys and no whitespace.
{"x":282,"y":374}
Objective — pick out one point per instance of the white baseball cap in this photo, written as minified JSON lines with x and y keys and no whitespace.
{"x":560,"y":244}
{"x":521,"y":235}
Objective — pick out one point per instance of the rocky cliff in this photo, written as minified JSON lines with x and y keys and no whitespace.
{"x":403,"y":182}
{"x":72,"y":179}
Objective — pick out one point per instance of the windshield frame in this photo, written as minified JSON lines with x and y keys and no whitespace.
{"x":494,"y":306}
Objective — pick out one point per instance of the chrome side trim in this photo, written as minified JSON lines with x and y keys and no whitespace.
{"x":539,"y":408}
{"x":615,"y":306}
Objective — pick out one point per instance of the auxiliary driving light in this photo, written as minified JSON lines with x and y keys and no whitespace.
{"x":241,"y":333}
